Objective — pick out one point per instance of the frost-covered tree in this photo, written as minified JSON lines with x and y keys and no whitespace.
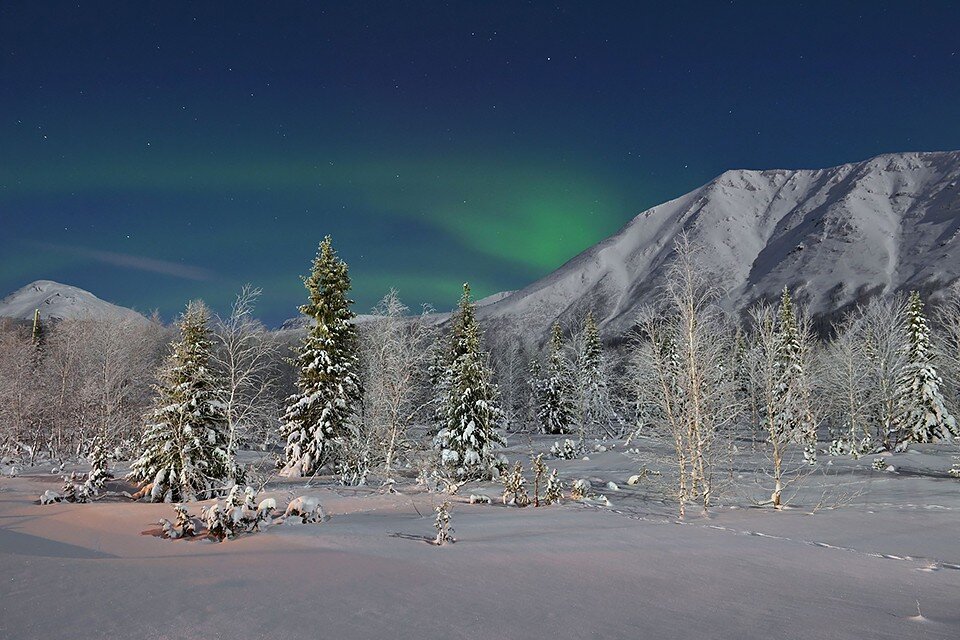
{"x":245,"y":357}
{"x":183,"y":451}
{"x":321,"y":417}
{"x":681,"y":379}
{"x":469,"y":434}
{"x":558,"y":410}
{"x":923,"y":415}
{"x":794,"y":415}
{"x":881,"y":324}
{"x":843,"y":383}
{"x":395,"y":356}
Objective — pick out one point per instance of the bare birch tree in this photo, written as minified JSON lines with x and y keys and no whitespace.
{"x":245,"y":356}
{"x":395,"y":354}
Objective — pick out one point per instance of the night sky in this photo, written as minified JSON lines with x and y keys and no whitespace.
{"x":157,"y":152}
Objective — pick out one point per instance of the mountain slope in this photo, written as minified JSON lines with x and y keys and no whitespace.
{"x":60,"y":302}
{"x":886,"y":224}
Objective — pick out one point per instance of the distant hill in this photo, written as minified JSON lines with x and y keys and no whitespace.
{"x":60,"y":302}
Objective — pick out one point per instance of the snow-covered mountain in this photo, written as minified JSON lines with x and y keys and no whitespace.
{"x":60,"y":302}
{"x":834,"y":235}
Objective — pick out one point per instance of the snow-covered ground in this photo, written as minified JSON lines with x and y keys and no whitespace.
{"x":851,"y":560}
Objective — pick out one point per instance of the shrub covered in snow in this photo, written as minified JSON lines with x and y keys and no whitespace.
{"x":306,"y":508}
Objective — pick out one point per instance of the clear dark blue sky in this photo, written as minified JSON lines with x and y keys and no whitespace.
{"x":156,"y":152}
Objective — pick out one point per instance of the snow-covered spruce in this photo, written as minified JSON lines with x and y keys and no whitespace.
{"x":539,"y":471}
{"x":183,"y":449}
{"x":470,"y":415}
{"x":99,"y":473}
{"x":794,"y":418}
{"x":581,"y":489}
{"x":557,"y":408}
{"x":442,"y":525}
{"x":182,"y":528}
{"x":320,"y":418}
{"x":554,"y":492}
{"x":596,"y":408}
{"x":566,"y":449}
{"x":923,"y":415}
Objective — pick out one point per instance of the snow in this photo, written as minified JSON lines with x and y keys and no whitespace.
{"x":61,"y":302}
{"x":886,"y":224}
{"x":627,"y":570}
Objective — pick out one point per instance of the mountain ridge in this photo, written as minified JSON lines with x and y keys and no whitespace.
{"x":834,"y":235}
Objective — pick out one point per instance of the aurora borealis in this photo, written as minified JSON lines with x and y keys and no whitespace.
{"x":157,"y":152}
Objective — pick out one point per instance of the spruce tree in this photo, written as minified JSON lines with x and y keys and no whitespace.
{"x":469,"y":433}
{"x":922,"y":413}
{"x":595,"y":407}
{"x":99,"y":473}
{"x":183,"y":449}
{"x":320,"y":419}
{"x":558,"y":413}
{"x":794,"y":417}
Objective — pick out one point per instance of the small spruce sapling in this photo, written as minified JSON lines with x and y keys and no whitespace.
{"x":566,"y":449}
{"x":99,"y":474}
{"x":442,"y":525}
{"x":554,"y":493}
{"x":539,"y":469}
{"x":184,"y":522}
{"x":514,"y":487}
{"x":581,"y":489}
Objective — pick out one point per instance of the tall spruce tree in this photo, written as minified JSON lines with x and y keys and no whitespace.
{"x":794,"y":416}
{"x":469,"y":433}
{"x":558,"y":411}
{"x":320,"y":418}
{"x":595,"y":409}
{"x":183,"y":449}
{"x":923,"y":415}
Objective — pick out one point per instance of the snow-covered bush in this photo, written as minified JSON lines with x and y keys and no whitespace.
{"x":479,"y":499}
{"x":50,"y":497}
{"x":879,"y":464}
{"x":306,"y":508}
{"x":566,"y":449}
